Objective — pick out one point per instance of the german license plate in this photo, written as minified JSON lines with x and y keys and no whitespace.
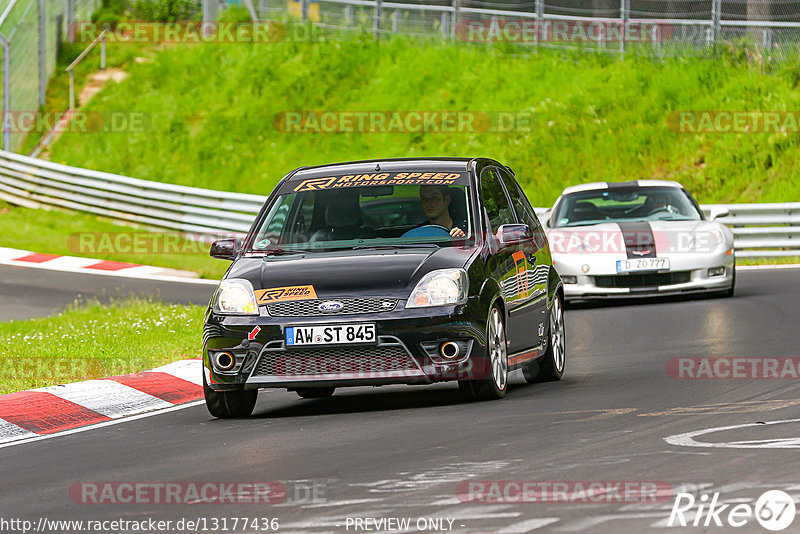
{"x":642,"y":264}
{"x":334,"y":334}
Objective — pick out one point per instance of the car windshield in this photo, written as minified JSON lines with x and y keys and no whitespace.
{"x":380,"y":216}
{"x":624,"y":205}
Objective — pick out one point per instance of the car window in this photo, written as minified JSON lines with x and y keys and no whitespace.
{"x":495,"y":202}
{"x":520,"y":201}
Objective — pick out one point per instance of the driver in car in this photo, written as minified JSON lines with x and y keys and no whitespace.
{"x":435,"y":203}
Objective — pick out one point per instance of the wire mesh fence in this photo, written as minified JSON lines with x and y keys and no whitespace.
{"x":770,"y":28}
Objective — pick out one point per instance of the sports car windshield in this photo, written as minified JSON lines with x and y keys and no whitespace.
{"x":625,"y":205}
{"x":377,"y":216}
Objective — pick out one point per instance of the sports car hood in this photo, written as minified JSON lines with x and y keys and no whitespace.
{"x":389,"y":273}
{"x":641,"y":239}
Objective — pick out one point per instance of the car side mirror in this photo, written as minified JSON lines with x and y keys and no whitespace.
{"x":717,"y":213}
{"x":225,"y":249}
{"x":514,"y":234}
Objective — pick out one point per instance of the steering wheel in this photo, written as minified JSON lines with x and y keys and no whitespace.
{"x":668,"y":208}
{"x":429,"y":230}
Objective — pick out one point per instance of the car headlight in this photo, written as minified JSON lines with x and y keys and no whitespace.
{"x":440,"y":288}
{"x":235,"y":296}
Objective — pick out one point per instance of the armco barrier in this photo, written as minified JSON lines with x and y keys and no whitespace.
{"x":760,"y":229}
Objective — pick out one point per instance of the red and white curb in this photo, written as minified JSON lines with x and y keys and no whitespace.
{"x":74,"y":264}
{"x":54,"y":410}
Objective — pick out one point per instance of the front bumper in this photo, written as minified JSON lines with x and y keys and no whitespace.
{"x":402,"y":354}
{"x":688,"y":273}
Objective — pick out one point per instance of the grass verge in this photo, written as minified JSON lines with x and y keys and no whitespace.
{"x":96,"y":341}
{"x":214,"y":115}
{"x":86,"y":235}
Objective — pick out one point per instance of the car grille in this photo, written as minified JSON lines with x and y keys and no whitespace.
{"x":310,"y":308}
{"x":361,"y":361}
{"x":642,"y":280}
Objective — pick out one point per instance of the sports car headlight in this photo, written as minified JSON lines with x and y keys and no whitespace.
{"x":440,"y":288}
{"x":235,"y":297}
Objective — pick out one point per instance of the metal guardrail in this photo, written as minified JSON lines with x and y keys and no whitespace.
{"x":761,"y":230}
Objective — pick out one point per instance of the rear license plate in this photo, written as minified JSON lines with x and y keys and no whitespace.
{"x":642,"y":264}
{"x":335,"y":334}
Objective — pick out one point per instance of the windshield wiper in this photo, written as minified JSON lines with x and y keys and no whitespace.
{"x":281,"y":251}
{"x":398,"y":245}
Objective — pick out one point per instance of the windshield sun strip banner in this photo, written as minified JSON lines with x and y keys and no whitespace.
{"x":376,"y":179}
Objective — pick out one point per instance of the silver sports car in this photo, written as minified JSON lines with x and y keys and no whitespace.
{"x":641,"y":238}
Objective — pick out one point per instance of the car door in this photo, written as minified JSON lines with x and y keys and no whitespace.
{"x":533,"y":306}
{"x":505,"y":264}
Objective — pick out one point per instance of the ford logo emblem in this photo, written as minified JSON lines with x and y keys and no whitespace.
{"x":330,"y":305}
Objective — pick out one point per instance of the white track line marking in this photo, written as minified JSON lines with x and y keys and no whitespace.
{"x":108,"y":398}
{"x":103,"y":424}
{"x":12,"y":432}
{"x":527,"y":526}
{"x":687,"y":438}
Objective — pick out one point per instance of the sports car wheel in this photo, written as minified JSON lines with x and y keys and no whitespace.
{"x":315,"y":393}
{"x":229,"y":404}
{"x":550,"y":366}
{"x":495,"y":383}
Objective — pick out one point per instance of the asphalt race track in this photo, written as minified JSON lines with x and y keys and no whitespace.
{"x":404,"y":452}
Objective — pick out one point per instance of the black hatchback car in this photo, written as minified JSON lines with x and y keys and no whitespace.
{"x":401,"y":271}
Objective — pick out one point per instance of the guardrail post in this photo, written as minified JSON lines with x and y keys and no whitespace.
{"x":348,"y":15}
{"x":6,"y":87}
{"x":42,"y":52}
{"x":376,"y":23}
{"x":716,"y":21}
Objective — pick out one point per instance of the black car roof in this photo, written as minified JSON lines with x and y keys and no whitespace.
{"x":388,"y":165}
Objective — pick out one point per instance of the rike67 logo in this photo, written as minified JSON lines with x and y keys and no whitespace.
{"x":774,"y":510}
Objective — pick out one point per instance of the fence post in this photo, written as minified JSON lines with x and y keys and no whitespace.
{"x":209,"y":16}
{"x":539,"y":6}
{"x":304,"y":10}
{"x":445,"y":24}
{"x":42,"y":52}
{"x":624,"y":15}
{"x":348,"y":15}
{"x":376,"y":23}
{"x":456,"y":19}
{"x":71,"y":21}
{"x":716,"y":21}
{"x":395,"y":21}
{"x":6,"y":87}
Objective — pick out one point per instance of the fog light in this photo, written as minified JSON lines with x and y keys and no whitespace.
{"x":585,"y":267}
{"x":224,"y":361}
{"x":716,"y":271}
{"x":569,"y":279}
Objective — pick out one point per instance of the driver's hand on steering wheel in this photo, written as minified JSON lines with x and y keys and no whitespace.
{"x":457,"y":232}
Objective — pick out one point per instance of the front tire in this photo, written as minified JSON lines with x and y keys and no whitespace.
{"x":550,"y":367}
{"x":495,"y":384}
{"x":229,"y":404}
